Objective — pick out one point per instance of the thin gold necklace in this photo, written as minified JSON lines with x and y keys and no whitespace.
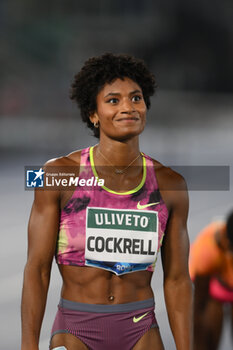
{"x":119,"y":171}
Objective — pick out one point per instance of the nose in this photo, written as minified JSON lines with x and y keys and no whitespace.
{"x":127,"y":106}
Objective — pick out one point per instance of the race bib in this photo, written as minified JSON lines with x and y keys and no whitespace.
{"x":121,"y":240}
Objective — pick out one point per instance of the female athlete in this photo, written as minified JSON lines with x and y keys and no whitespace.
{"x":106,"y":237}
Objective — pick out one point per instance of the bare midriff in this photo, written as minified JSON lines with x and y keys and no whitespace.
{"x":95,"y":286}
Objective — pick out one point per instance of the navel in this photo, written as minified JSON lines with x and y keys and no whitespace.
{"x":111,"y":298}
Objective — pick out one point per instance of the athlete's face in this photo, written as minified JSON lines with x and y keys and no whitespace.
{"x":121,"y":109}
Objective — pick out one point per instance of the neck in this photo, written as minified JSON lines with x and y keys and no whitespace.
{"x":120,"y":152}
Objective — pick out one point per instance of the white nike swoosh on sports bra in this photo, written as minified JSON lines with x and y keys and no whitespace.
{"x":137,"y":319}
{"x":139,"y":206}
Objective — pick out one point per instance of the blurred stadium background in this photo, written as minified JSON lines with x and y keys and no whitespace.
{"x":189,"y":47}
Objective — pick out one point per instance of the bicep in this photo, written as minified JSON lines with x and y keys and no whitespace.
{"x":43,"y":228}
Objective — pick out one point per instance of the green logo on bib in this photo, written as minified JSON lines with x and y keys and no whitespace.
{"x":122,"y":219}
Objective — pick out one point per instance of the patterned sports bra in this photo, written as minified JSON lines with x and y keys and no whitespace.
{"x":115,"y":231}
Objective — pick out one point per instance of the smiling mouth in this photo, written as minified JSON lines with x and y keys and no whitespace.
{"x":127,"y":119}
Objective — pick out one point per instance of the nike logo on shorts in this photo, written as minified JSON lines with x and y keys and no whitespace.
{"x":139,"y":206}
{"x":137,"y":319}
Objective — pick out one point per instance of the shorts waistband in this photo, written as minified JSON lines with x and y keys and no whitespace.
{"x":136,"y":305}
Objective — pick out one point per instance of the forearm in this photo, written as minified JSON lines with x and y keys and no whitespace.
{"x":34,"y":297}
{"x":179,"y":303}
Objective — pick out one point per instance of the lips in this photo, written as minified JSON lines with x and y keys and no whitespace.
{"x":127,"y":119}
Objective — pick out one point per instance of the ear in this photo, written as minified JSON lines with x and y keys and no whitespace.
{"x":94,"y":118}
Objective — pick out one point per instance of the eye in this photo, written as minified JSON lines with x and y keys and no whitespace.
{"x":136,"y":98}
{"x":113,"y":100}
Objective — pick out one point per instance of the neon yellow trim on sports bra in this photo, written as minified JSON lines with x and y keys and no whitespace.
{"x":120,"y":193}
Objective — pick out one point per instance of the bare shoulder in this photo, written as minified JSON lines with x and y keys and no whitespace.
{"x":57,"y":172}
{"x":71,"y":159}
{"x":172,"y":185}
{"x":168,"y":178}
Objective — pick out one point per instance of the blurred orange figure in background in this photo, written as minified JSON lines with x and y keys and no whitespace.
{"x":211,"y":269}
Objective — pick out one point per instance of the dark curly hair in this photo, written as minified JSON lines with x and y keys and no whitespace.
{"x":97,"y":71}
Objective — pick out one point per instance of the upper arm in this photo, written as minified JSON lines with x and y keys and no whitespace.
{"x":43,"y":228}
{"x":175,"y":249}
